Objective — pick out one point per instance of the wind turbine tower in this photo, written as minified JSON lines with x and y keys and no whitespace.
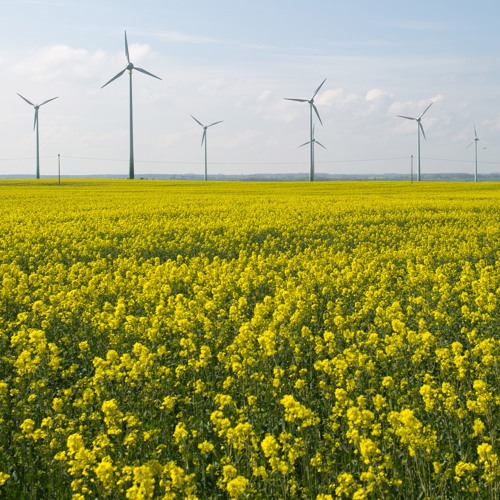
{"x":314,"y":142}
{"x":130,"y":66}
{"x":419,"y":128}
{"x":311,"y":141}
{"x":204,"y":139}
{"x":35,"y":127}
{"x":475,"y":141}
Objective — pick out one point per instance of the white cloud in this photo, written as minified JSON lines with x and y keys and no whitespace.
{"x":376,"y":101}
{"x":337,"y":98}
{"x":138,"y":52}
{"x":375,"y":95}
{"x":58,"y":61}
{"x":490,"y":125}
{"x":413,"y":108}
{"x":437,"y":98}
{"x":268,"y":106}
{"x":264,"y":95}
{"x":213,"y":84}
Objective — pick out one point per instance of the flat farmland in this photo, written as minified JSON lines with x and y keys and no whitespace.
{"x":249,"y":340}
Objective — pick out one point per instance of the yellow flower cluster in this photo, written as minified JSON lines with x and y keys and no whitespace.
{"x":246,"y":340}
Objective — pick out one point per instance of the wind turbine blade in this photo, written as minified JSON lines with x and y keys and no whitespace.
{"x":298,"y":100}
{"x":425,"y":110}
{"x":305,"y":143}
{"x":126,"y":48}
{"x":146,"y":72}
{"x":214,"y":123}
{"x":470,"y":145}
{"x":317,"y":90}
{"x":29,"y":102}
{"x":197,"y":121}
{"x":204,"y":135}
{"x":48,"y":100}
{"x":115,"y":77}
{"x":317,"y":114}
{"x":36,"y":118}
{"x":407,"y":117}
{"x":475,"y":132}
{"x":422,"y":129}
{"x":317,"y":142}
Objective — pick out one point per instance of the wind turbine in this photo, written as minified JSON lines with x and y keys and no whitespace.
{"x":311,"y":141}
{"x":130,"y":67}
{"x":314,"y":142}
{"x":475,"y":141}
{"x":419,"y":128}
{"x":35,"y":127}
{"x":204,"y":138}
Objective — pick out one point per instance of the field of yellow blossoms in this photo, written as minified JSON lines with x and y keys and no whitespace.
{"x":249,"y":340}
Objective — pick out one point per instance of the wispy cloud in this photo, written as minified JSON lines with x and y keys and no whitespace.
{"x":422,"y":25}
{"x":35,"y":2}
{"x":178,"y":37}
{"x":346,"y":44}
{"x":258,"y":46}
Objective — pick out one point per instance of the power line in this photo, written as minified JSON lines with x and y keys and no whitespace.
{"x":19,"y":159}
{"x":217,"y":163}
{"x":325,"y":162}
{"x":460,"y":161}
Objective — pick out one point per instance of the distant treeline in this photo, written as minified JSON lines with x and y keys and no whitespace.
{"x":276,"y":177}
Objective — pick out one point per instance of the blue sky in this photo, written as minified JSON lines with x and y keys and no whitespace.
{"x":235,"y":61}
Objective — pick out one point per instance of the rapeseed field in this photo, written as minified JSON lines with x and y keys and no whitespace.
{"x":249,"y":340}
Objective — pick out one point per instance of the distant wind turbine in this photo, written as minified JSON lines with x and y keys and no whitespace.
{"x":475,"y":141}
{"x":204,"y":138}
{"x":35,"y":127}
{"x":419,"y":128}
{"x":130,"y":67}
{"x":311,"y":141}
{"x":314,"y":142}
